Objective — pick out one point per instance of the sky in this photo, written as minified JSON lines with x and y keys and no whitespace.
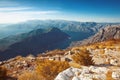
{"x":13,"y":11}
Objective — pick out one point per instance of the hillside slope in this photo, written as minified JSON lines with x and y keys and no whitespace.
{"x":107,"y":33}
{"x":36,"y":43}
{"x":6,"y":42}
{"x":61,"y":65}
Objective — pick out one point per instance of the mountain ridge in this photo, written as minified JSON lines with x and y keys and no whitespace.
{"x":107,"y":33}
{"x":48,"y":40}
{"x":75,"y":26}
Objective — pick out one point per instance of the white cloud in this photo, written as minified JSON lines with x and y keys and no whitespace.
{"x":12,"y":12}
{"x":10,"y":9}
{"x":13,"y":17}
{"x":36,"y":12}
{"x":20,"y":14}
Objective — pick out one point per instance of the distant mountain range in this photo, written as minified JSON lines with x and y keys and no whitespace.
{"x":34,"y":42}
{"x":66,"y":26}
{"x":12,"y":33}
{"x":107,"y":33}
{"x":33,"y":37}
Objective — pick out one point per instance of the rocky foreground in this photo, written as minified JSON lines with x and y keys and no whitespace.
{"x":106,"y":58}
{"x":99,"y":61}
{"x":90,"y":73}
{"x":18,"y":65}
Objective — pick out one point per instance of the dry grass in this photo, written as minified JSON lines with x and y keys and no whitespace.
{"x":109,"y":75}
{"x":46,"y":70}
{"x":75,"y":65}
{"x":3,"y":73}
{"x":50,"y":69}
{"x":82,"y":58}
{"x":30,"y":76}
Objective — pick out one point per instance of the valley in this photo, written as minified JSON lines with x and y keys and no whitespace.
{"x":26,"y":33}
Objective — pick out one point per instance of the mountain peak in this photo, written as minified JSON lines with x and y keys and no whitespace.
{"x":54,"y":29}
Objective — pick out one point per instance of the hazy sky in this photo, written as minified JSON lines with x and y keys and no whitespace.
{"x":12,"y":11}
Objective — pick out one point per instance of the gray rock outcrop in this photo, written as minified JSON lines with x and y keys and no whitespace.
{"x":107,"y":33}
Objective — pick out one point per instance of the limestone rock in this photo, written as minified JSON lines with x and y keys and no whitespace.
{"x":116,"y":75}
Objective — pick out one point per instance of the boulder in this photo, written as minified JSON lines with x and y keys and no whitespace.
{"x":62,"y":76}
{"x":75,"y":78}
{"x":98,"y":69}
{"x":116,"y":75}
{"x":114,"y":62}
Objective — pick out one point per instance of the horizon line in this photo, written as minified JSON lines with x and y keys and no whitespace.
{"x":56,"y":20}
